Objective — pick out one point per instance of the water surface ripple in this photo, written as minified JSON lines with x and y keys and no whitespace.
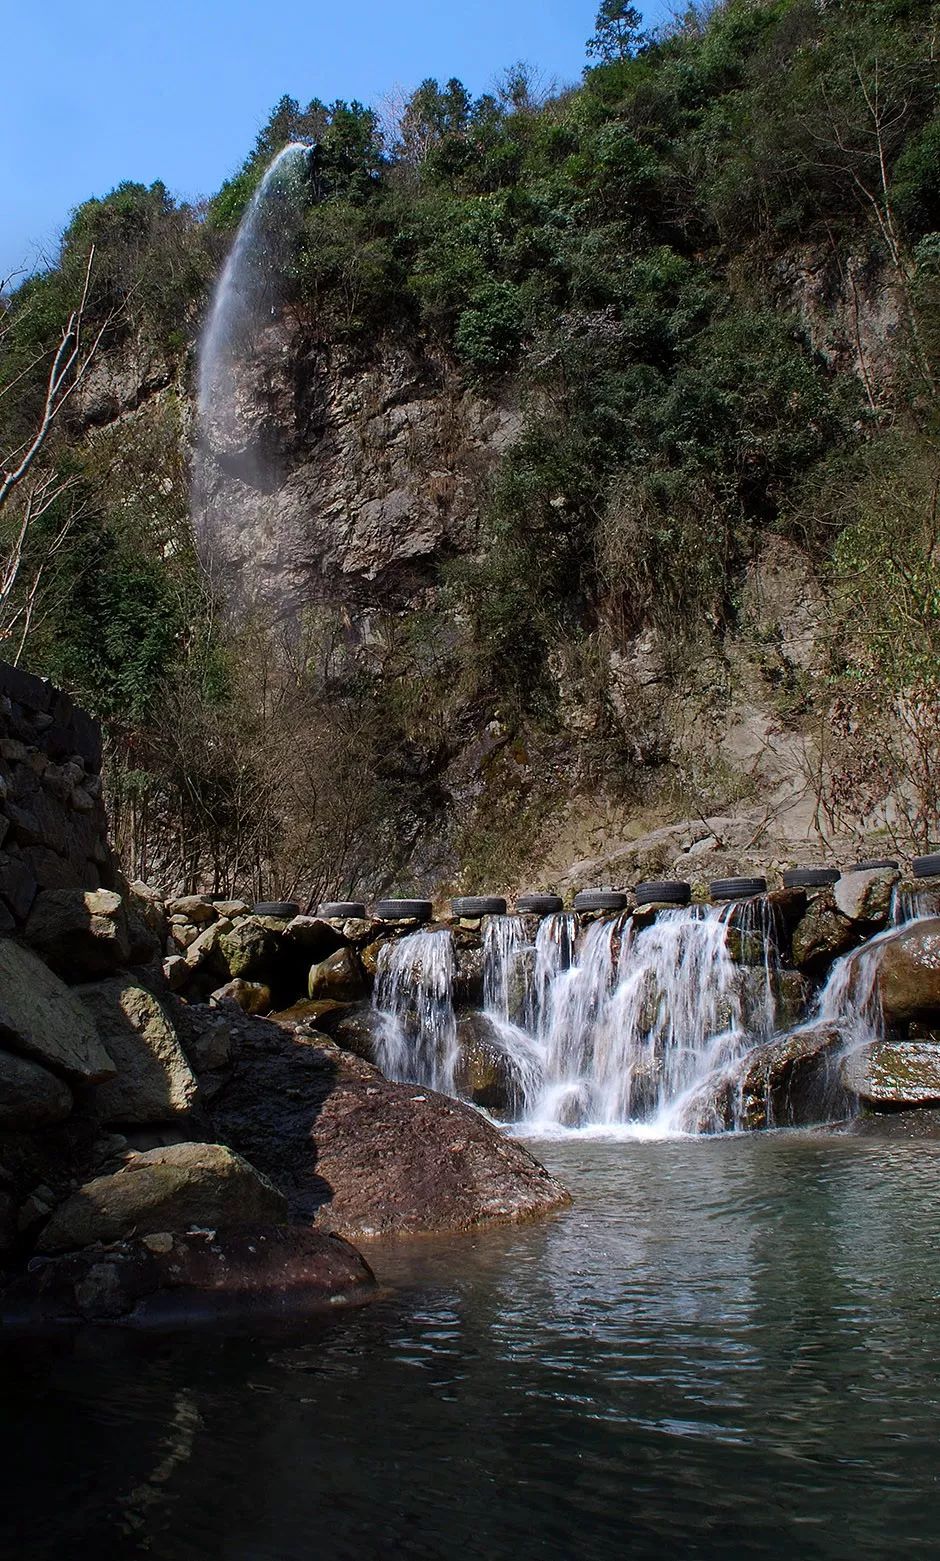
{"x":728,"y":1347}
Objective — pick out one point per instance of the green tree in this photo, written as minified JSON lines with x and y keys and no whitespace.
{"x":619,"y":32}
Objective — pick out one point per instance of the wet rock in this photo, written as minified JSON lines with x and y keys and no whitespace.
{"x":43,"y":1018}
{"x":249,"y":951}
{"x":894,"y":1073}
{"x":823,"y":935}
{"x":256,"y":1273}
{"x":468,"y":974}
{"x":340,"y":977}
{"x":909,"y":974}
{"x":175,"y":1189}
{"x":365,"y":1157}
{"x":483,"y":1074}
{"x":356,"y":1031}
{"x":252,"y":997}
{"x":789,"y":1081}
{"x":154,"y":1081}
{"x":30,"y":1097}
{"x":80,"y":935}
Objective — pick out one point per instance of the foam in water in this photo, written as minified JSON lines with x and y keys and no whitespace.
{"x":414,"y":998}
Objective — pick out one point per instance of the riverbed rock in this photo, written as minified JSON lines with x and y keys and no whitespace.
{"x":894,"y":1073}
{"x":30,"y":1096}
{"x":256,"y":1273}
{"x":909,"y":974}
{"x":789,"y":1081}
{"x":175,"y":1189}
{"x":154,"y":1081}
{"x":339,"y":977}
{"x":42,"y":1017}
{"x":364,"y":1157}
{"x":80,"y":935}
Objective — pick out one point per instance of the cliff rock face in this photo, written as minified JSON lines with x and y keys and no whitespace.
{"x":347,"y":481}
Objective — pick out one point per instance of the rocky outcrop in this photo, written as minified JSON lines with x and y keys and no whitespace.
{"x":172,"y":1189}
{"x":364,"y":1157}
{"x":154,"y":1082}
{"x":79,"y":934}
{"x":909,"y":974}
{"x":41,"y":1017}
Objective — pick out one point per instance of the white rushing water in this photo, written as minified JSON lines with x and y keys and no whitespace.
{"x":414,"y":997}
{"x":618,"y":1027}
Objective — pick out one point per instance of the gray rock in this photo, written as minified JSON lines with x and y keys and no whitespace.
{"x":865,"y":897}
{"x":46,"y":1020}
{"x":30,"y":1097}
{"x":894,"y":1073}
{"x":195,"y":908}
{"x":80,"y":934}
{"x":173,"y":1189}
{"x":154,"y":1081}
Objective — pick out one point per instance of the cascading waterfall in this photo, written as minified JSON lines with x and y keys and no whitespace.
{"x":416,"y":1041}
{"x":246,"y":300}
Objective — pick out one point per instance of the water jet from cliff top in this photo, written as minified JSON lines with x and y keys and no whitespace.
{"x":238,"y":335}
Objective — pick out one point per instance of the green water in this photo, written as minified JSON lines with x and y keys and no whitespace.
{"x":726,"y":1348}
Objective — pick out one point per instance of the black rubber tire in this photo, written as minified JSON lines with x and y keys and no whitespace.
{"x":737,"y":888}
{"x":341,"y":910}
{"x":926,"y":866}
{"x":471,"y":906}
{"x":600,"y":900}
{"x":539,"y":904}
{"x":403,"y":910}
{"x":664,"y":891}
{"x":283,"y":910}
{"x":810,"y":877}
{"x":877,"y":864}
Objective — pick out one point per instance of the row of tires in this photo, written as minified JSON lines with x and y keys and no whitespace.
{"x":658,"y":891}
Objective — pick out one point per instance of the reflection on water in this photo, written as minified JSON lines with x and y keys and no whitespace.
{"x":727,"y":1347}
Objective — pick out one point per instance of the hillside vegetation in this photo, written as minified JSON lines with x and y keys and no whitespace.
{"x":624,"y":264}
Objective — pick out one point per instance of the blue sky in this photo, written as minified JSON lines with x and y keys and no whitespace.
{"x":100,"y":91}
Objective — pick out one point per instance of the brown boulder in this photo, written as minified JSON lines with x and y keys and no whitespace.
{"x":364,"y":1157}
{"x":175,"y":1188}
{"x":909,"y":974}
{"x":261,"y":1273}
{"x":339,"y":977}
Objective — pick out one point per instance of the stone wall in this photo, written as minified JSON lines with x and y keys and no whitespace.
{"x":53,"y":829}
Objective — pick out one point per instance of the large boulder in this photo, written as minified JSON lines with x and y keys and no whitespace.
{"x":42,"y":1017}
{"x":364,"y":1157}
{"x":249,"y":951}
{"x":483,"y":1074}
{"x":340,"y":977}
{"x":789,"y":1081}
{"x":894,"y":1073}
{"x":81,"y":935}
{"x":177,"y":1188}
{"x":154,"y":1081}
{"x":823,"y":935}
{"x":265,"y":1273}
{"x":30,"y":1097}
{"x":909,"y":974}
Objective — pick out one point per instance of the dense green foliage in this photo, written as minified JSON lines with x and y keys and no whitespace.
{"x":612,"y":253}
